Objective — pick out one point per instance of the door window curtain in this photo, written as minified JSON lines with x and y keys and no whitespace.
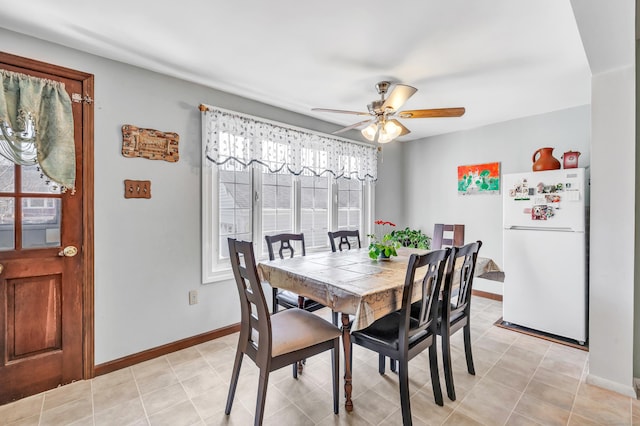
{"x":36,"y":126}
{"x":243,"y":139}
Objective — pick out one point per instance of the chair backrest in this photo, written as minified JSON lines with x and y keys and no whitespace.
{"x":434,"y":264}
{"x":285,"y":244}
{"x":447,"y":236}
{"x":460,"y":272}
{"x":344,"y":239}
{"x":255,"y":323}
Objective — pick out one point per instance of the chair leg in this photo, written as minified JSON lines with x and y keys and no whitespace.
{"x":381,"y":363}
{"x":403,"y":379}
{"x":392,"y":365}
{"x":274,"y":300}
{"x":295,"y":370}
{"x":435,"y":376}
{"x":334,"y":318}
{"x":262,"y":396}
{"x":234,"y":381}
{"x":446,"y":363}
{"x":467,"y":348}
{"x":335,"y":365}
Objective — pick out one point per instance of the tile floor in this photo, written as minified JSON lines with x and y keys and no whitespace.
{"x":520,"y":380}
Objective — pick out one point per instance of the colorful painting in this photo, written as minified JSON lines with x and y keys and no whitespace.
{"x":479,"y":179}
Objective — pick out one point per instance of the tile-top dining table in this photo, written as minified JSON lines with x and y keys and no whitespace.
{"x":351,"y":283}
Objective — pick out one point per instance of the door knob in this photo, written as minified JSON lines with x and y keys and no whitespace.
{"x":68,"y":251}
{"x":1,"y":268}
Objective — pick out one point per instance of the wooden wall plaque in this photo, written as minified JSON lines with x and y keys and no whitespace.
{"x":149,"y":143}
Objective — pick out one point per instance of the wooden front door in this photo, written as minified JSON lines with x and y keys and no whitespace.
{"x":46,"y":336}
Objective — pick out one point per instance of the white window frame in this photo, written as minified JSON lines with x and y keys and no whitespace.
{"x":215,"y":270}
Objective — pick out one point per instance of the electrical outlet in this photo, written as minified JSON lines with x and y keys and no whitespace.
{"x":193,"y":297}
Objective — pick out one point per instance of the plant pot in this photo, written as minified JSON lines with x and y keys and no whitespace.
{"x":383,"y":256}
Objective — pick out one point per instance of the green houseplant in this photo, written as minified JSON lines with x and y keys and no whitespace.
{"x":408,"y":237}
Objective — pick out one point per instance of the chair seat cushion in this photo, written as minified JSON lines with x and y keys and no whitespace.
{"x":294,"y":329}
{"x":385,"y":331}
{"x":290,"y":299}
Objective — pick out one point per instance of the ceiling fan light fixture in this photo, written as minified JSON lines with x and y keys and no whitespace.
{"x":383,"y":124}
{"x":384,"y":138}
{"x":370,"y":131}
{"x":392,"y":129}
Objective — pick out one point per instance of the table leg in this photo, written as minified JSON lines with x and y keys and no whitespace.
{"x":301,"y":306}
{"x":346,"y":343}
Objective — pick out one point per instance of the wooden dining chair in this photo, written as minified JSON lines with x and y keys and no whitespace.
{"x":401,"y":337}
{"x":447,"y":236}
{"x":456,"y":307}
{"x":286,"y":298}
{"x":274,"y":341}
{"x":344,"y":239}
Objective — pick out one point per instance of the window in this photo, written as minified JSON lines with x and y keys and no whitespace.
{"x":262,"y":178}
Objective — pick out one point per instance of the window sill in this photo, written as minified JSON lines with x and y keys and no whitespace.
{"x":214,"y":277}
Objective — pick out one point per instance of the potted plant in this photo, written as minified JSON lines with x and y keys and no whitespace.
{"x":411,"y":238}
{"x":382,"y":246}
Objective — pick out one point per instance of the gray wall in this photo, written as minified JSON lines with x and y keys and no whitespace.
{"x":390,"y":188}
{"x":430,"y":173}
{"x":147,"y":252}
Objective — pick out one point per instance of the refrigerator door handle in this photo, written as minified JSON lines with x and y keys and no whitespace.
{"x":533,"y":228}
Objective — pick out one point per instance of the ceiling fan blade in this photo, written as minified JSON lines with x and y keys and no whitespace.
{"x":432,"y":113}
{"x":398,"y":96}
{"x":340,"y":111}
{"x":404,"y":130}
{"x":353,"y":126}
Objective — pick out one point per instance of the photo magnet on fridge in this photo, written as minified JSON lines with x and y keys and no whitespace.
{"x":542,"y":212}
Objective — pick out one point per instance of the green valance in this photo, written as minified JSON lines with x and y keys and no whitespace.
{"x":36,"y":123}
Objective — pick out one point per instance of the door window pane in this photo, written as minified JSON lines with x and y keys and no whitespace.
{"x":7,"y":175}
{"x":40,"y":222}
{"x":34,"y":181}
{"x":7,"y":223}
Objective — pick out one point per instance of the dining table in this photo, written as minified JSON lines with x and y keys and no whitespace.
{"x":351,"y":283}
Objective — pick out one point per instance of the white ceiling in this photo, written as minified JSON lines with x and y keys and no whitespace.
{"x":501,"y":59}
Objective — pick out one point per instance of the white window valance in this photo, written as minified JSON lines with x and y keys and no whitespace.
{"x":278,"y":147}
{"x":36,"y":126}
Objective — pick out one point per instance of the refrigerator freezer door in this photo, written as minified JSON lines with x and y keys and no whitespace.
{"x":566,"y":204}
{"x":545,"y":282}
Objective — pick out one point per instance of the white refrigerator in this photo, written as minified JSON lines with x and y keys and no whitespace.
{"x":545,"y":253}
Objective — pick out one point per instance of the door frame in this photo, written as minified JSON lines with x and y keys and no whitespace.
{"x":87,"y":250}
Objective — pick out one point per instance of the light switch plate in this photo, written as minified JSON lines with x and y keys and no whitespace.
{"x":137,"y":188}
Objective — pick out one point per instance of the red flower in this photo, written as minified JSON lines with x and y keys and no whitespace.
{"x":382,"y":222}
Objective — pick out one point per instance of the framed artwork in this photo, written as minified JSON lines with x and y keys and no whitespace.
{"x":149,"y":143}
{"x":479,"y":179}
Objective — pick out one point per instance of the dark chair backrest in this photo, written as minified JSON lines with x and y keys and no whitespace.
{"x":344,"y":239}
{"x":460,"y":274}
{"x":255,"y":321}
{"x":434,"y":264}
{"x":454,"y":236}
{"x":285,"y":244}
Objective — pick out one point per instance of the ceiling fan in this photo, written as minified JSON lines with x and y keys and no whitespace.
{"x":383,"y":127}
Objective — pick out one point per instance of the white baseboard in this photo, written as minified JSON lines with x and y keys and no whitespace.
{"x":612,"y":386}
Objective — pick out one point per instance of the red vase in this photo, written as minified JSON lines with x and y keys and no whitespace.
{"x":545,"y":161}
